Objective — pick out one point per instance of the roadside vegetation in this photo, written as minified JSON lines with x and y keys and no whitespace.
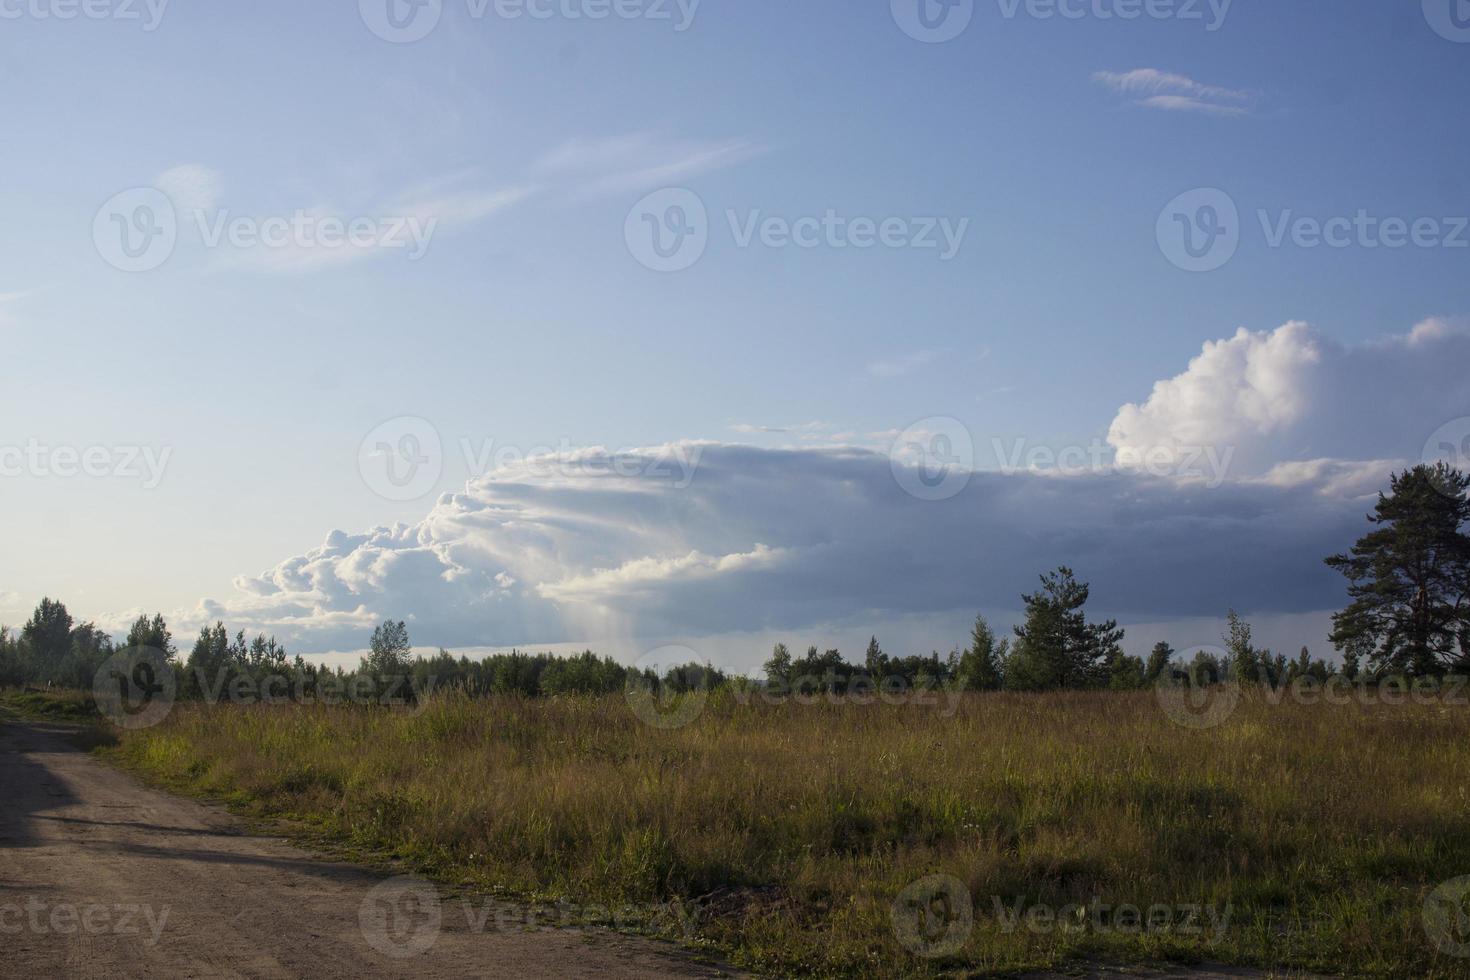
{"x":998,"y":808}
{"x":1318,"y":829}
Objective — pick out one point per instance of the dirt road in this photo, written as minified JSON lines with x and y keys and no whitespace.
{"x":103,"y":877}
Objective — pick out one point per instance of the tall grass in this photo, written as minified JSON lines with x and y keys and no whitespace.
{"x":1320,"y":827}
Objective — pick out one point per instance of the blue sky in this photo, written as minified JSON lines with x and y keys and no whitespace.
{"x":529,"y":322}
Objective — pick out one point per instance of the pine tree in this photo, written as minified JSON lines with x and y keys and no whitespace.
{"x":980,"y":667}
{"x":1057,"y":647}
{"x":1158,"y":662}
{"x":1409,"y":578}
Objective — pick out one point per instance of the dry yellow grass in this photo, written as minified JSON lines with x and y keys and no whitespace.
{"x":1318,"y":829}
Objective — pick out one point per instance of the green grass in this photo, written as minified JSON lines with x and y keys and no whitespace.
{"x":1321,"y":827}
{"x":63,"y":706}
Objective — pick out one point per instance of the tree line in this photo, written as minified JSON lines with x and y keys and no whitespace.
{"x":1409,"y":616}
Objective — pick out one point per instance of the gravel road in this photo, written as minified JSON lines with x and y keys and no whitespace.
{"x":103,"y":877}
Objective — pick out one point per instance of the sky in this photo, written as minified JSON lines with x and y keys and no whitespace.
{"x":559,"y":323}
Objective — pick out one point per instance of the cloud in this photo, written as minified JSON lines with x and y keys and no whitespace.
{"x":191,"y":187}
{"x":614,"y":548}
{"x":1291,"y":395}
{"x":6,"y":301}
{"x":786,"y":538}
{"x":1172,"y":92}
{"x":895,"y":367}
{"x":407,"y":224}
{"x":638,"y":161}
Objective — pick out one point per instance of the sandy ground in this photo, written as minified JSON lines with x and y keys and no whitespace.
{"x":103,"y":877}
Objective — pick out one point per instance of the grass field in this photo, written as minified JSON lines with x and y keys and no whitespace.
{"x":1291,"y":835}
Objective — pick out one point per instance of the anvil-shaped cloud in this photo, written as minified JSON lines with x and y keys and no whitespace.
{"x":762,"y":538}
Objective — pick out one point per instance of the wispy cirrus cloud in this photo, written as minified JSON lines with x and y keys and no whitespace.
{"x":192,"y":186}
{"x":405,"y":222}
{"x":8,"y":300}
{"x":1172,"y":92}
{"x":638,"y":161}
{"x":902,"y":364}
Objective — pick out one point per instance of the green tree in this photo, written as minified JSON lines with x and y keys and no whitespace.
{"x":980,"y":666}
{"x":48,"y":632}
{"x":1057,"y":647}
{"x":875,"y":661}
{"x":209,"y":659}
{"x":778,"y":668}
{"x":152,"y":633}
{"x":1409,"y":578}
{"x":1158,"y":662}
{"x":1127,"y":674}
{"x":1243,"y":658}
{"x":390,"y":655}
